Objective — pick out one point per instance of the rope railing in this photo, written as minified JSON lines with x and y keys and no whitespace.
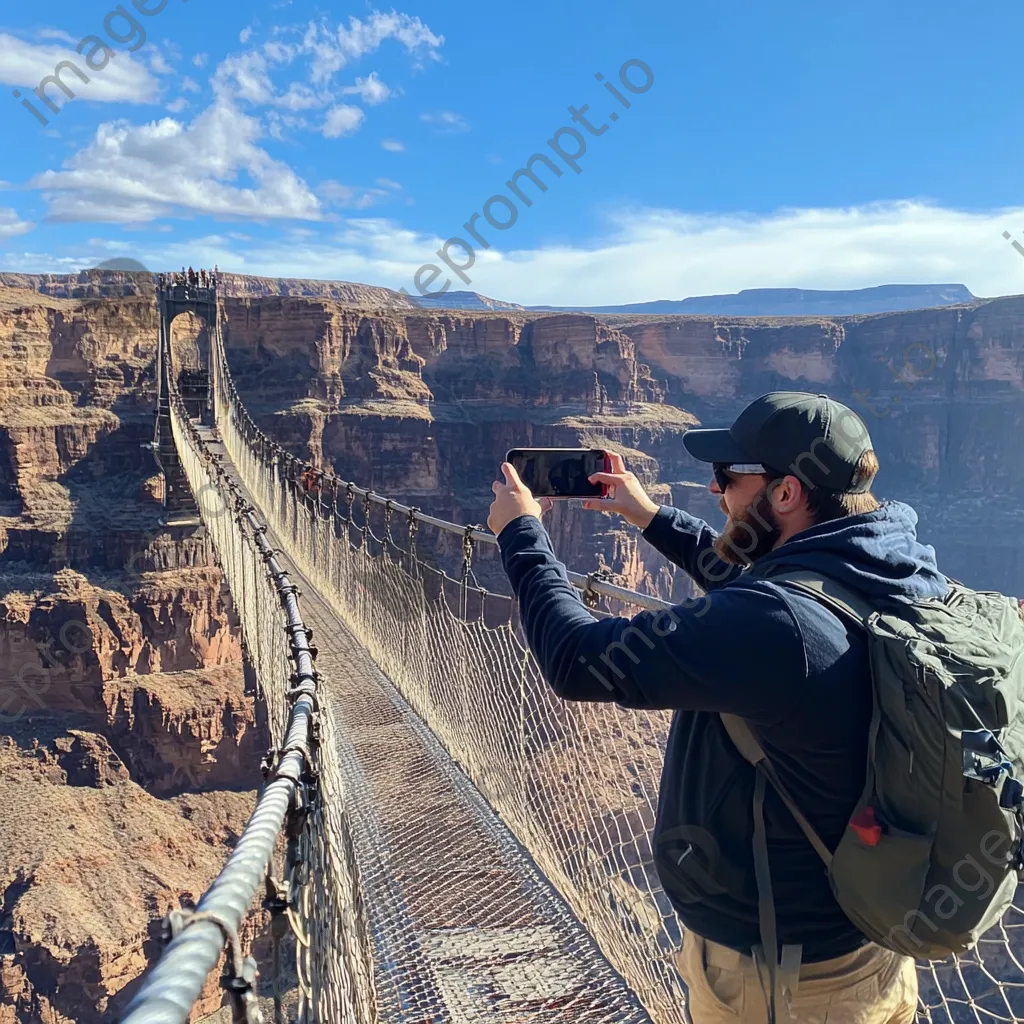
{"x":290,"y":805}
{"x":588,"y":584}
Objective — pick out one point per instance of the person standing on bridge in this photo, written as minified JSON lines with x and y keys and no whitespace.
{"x":787,"y":665}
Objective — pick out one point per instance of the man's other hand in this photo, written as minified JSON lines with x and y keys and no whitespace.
{"x":625,"y":495}
{"x":512,"y":499}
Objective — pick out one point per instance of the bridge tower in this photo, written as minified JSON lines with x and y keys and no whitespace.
{"x":176,"y":296}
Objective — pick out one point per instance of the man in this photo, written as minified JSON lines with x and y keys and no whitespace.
{"x":793,"y":475}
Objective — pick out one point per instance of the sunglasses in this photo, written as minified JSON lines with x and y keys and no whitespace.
{"x":722,"y":471}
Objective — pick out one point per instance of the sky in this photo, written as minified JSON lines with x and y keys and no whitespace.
{"x":725,"y":146}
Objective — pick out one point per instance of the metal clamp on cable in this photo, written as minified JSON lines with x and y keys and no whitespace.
{"x":296,"y":825}
{"x":239,"y":976}
{"x":467,"y":550}
{"x":590,"y":596}
{"x":304,"y":685}
{"x":270,"y":766}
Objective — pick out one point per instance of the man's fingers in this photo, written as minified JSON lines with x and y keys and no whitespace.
{"x":497,"y":486}
{"x":608,"y":478}
{"x":511,"y":476}
{"x":617,"y":461}
{"x":546,"y":505}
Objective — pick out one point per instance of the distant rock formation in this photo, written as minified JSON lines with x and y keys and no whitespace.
{"x":125,"y":279}
{"x":886,"y":298}
{"x":462,"y":300}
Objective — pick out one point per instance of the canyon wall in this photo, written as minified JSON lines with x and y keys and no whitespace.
{"x":941,"y":391}
{"x":423,"y":406}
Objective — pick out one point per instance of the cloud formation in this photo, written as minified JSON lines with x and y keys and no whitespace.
{"x":11,"y":224}
{"x":371,"y":89}
{"x":137,"y":173}
{"x":124,"y":80}
{"x":342,"y":120}
{"x":333,"y":48}
{"x":446,"y":122}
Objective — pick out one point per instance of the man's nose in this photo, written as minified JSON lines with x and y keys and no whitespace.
{"x":713,"y":487}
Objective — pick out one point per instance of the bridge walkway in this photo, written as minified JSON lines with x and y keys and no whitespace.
{"x":467,"y":930}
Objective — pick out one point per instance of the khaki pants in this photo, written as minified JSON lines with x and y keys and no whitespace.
{"x":871,"y":985}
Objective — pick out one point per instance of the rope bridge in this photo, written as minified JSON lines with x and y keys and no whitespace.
{"x":444,"y":839}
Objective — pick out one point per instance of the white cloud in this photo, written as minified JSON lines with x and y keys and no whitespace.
{"x":178,"y":105}
{"x":348,"y":197}
{"x":200,"y":59}
{"x":278,"y":123}
{"x":137,"y":173}
{"x":57,"y":33}
{"x":388,"y":183}
{"x":123,"y":80}
{"x":11,"y":224}
{"x":299,"y":97}
{"x":244,"y":76}
{"x":392,"y":145}
{"x":158,"y":64}
{"x":245,"y":35}
{"x":342,"y":120}
{"x":371,"y":89}
{"x":446,"y":121}
{"x":332,"y":49}
{"x":190,"y":85}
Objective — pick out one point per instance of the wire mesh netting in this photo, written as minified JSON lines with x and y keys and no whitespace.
{"x":575,"y":784}
{"x":334,"y":966}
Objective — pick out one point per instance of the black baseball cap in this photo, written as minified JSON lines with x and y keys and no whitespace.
{"x":814,"y":437}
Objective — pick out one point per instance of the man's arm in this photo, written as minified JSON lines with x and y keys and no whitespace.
{"x":683,"y":539}
{"x":739,"y":651}
{"x":688,"y":542}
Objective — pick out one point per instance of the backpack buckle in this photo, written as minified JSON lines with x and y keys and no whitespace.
{"x":1011,"y":796}
{"x":982,"y":757}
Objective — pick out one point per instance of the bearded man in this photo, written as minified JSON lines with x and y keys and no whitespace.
{"x":793,"y":474}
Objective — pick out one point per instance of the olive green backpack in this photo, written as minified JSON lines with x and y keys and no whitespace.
{"x":930,"y":858}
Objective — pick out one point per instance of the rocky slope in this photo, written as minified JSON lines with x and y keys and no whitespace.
{"x":129,"y":753}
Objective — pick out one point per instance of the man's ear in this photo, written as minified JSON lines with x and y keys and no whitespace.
{"x":785,"y":494}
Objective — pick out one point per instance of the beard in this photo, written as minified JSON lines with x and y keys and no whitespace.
{"x":750,"y":534}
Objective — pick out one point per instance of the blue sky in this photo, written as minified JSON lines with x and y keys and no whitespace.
{"x":807,"y":145}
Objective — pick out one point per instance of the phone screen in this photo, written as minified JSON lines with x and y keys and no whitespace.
{"x":559,"y":472}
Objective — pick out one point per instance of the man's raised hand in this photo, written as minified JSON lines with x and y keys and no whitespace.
{"x":625,"y":495}
{"x":511,"y":500}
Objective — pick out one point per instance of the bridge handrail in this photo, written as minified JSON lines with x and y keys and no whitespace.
{"x":171,"y":986}
{"x":581,"y":582}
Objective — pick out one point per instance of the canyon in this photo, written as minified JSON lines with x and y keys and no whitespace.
{"x":130,"y":733}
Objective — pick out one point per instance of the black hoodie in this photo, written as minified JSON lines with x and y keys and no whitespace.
{"x":755,"y":648}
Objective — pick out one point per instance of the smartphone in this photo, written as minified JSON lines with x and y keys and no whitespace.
{"x":560,"y":472}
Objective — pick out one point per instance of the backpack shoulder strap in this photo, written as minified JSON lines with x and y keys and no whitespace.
{"x":746,"y":743}
{"x":846,"y":603}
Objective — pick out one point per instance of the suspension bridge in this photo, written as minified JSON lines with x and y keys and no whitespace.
{"x":441,"y":837}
